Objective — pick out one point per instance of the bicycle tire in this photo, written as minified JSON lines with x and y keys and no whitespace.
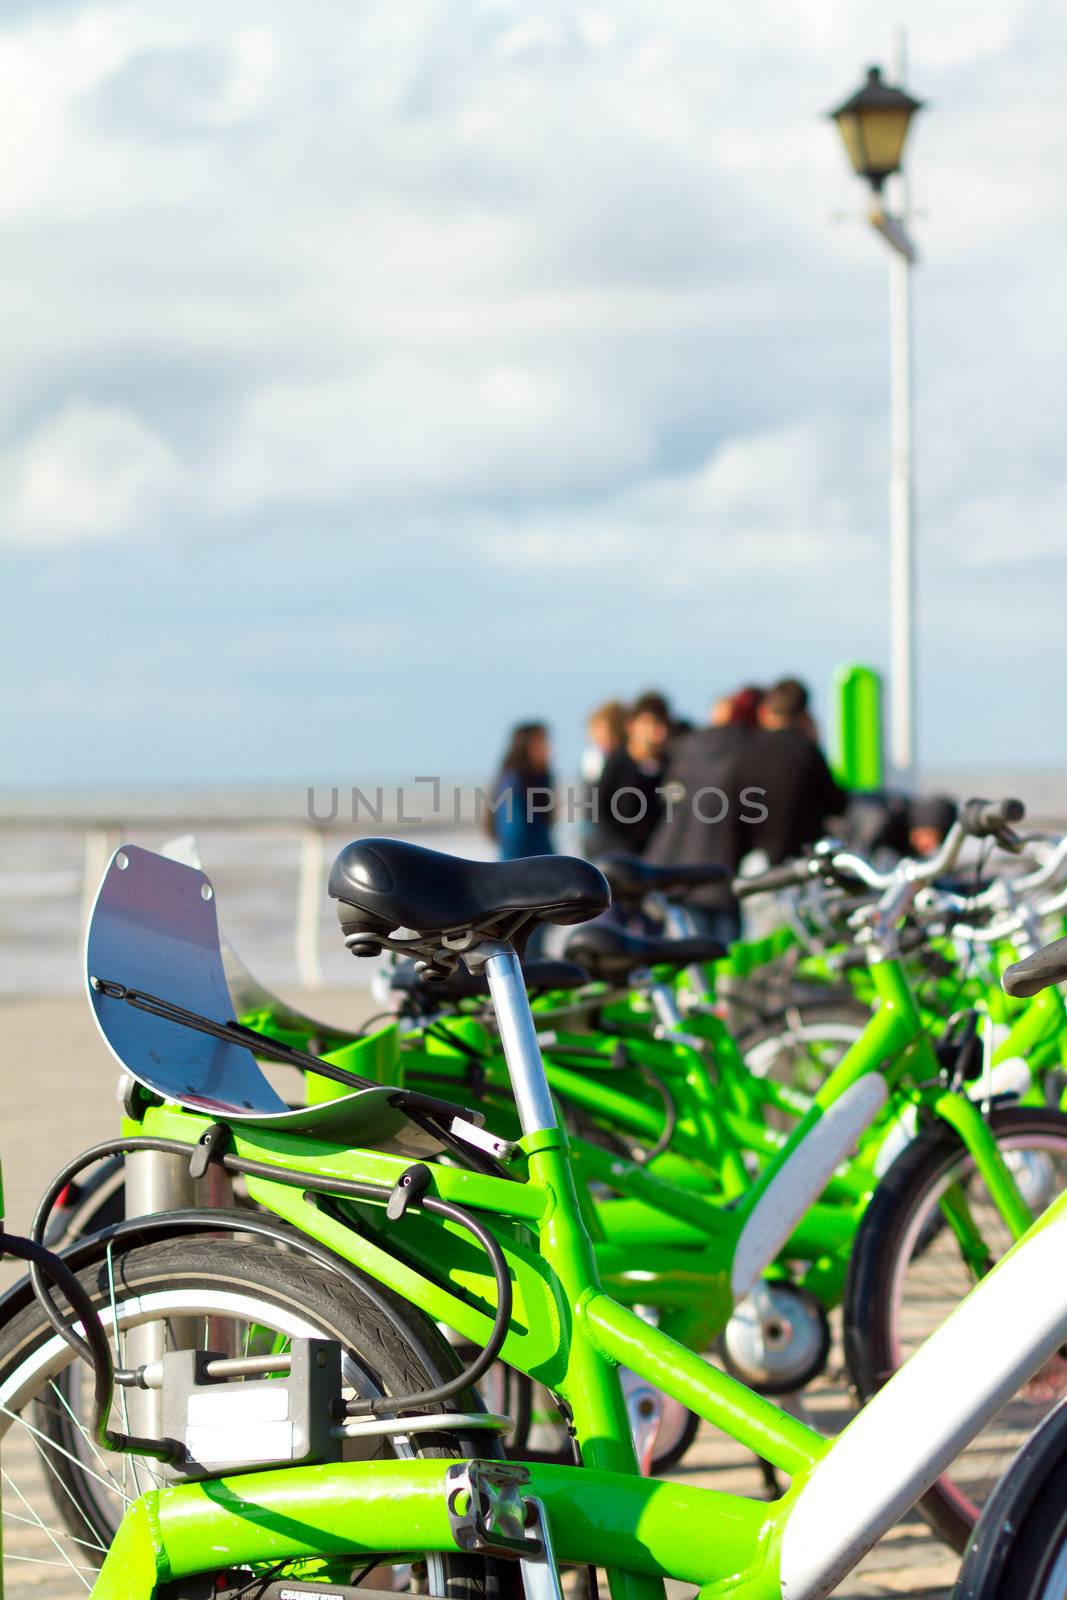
{"x":894,"y":1234}
{"x":1018,"y":1551}
{"x":389,"y":1347}
{"x":769,"y":1049}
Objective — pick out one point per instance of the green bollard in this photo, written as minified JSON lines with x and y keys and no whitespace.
{"x":857,"y":728}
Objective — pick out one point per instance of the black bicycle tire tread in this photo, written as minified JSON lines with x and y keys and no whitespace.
{"x":1023,"y":1524}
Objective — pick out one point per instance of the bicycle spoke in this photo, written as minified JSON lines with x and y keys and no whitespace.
{"x":67,"y":1565}
{"x":50,"y":1444}
{"x":42,"y":1526}
{"x":58,"y":1478}
{"x":35,"y":1522}
{"x":86,"y":1435}
{"x":128,"y":1465}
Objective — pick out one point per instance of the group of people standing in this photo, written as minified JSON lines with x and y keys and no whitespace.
{"x":753,"y":779}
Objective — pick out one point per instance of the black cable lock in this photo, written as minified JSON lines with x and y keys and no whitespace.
{"x":210,"y":1147}
{"x":93,"y":1348}
{"x":411,"y":1185}
{"x":313,"y":1185}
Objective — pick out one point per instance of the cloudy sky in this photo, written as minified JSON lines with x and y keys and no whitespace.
{"x":376,"y":374}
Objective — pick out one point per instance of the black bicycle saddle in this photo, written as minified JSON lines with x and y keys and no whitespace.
{"x":630,"y":878}
{"x":384,"y":884}
{"x":610,"y":954}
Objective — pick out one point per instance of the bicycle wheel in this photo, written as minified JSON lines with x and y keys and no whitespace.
{"x":802,"y":1046}
{"x":907,"y":1272}
{"x":1019,"y":1549}
{"x":64,"y":1495}
{"x":85,"y":1207}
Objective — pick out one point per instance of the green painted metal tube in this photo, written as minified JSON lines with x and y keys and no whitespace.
{"x":626,"y":1223}
{"x":669,"y":1199}
{"x":643,"y":1120}
{"x":137,"y":1560}
{"x":689,"y":1379}
{"x":1042,"y":1016}
{"x":476,"y":1190}
{"x":962,"y":1114}
{"x":622,"y":1521}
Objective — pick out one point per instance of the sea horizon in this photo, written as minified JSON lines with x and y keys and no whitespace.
{"x":54,"y":843}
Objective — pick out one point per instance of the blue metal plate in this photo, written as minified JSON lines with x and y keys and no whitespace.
{"x":247,"y":991}
{"x":154,"y":928}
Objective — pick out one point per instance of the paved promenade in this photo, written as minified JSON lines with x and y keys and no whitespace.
{"x":57,"y":1097}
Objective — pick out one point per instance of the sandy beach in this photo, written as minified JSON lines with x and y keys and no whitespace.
{"x":57,"y":1084}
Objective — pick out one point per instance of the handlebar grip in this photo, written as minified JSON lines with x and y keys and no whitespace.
{"x":984,"y":819}
{"x":786,"y":876}
{"x":1039,"y":971}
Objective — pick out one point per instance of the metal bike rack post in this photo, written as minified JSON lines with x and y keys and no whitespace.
{"x":309,"y":907}
{"x":100,"y":840}
{"x":154,"y":1182}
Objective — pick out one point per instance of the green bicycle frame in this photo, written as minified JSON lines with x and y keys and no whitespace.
{"x":570,"y":1333}
{"x":673,"y":1203}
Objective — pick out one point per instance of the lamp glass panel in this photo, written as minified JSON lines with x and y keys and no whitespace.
{"x":852,"y":134}
{"x":882,"y":138}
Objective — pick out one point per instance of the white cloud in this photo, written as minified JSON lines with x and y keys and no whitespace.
{"x":85,"y":473}
{"x":175,"y":89}
{"x":489,"y":250}
{"x":528,"y":292}
{"x":410,"y":432}
{"x":790,"y":498}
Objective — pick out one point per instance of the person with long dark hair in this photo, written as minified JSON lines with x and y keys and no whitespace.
{"x":520,"y":819}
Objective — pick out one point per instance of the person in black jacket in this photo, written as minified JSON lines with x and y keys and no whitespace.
{"x":628,"y":802}
{"x":698,"y":826}
{"x":785,"y":793}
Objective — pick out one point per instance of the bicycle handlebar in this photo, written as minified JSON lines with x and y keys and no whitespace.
{"x":978,"y":819}
{"x":1046,"y":872}
{"x":787,"y":876}
{"x":985,"y":819}
{"x":1039,"y":971}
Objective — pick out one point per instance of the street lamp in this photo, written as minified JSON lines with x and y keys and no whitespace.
{"x":874,"y":124}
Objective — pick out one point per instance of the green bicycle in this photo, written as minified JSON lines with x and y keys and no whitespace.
{"x":697,"y":1246}
{"x":501,"y":1255}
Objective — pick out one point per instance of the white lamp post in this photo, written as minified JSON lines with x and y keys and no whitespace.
{"x":873,"y":124}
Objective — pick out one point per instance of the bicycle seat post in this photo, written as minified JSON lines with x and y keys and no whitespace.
{"x":663,"y":1000}
{"x":518,"y":1036}
{"x":680,"y":924}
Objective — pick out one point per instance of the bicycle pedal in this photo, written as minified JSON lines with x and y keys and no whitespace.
{"x":233,"y":1421}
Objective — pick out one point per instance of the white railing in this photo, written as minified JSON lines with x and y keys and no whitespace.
{"x":102,"y":839}
{"x":61,"y":859}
